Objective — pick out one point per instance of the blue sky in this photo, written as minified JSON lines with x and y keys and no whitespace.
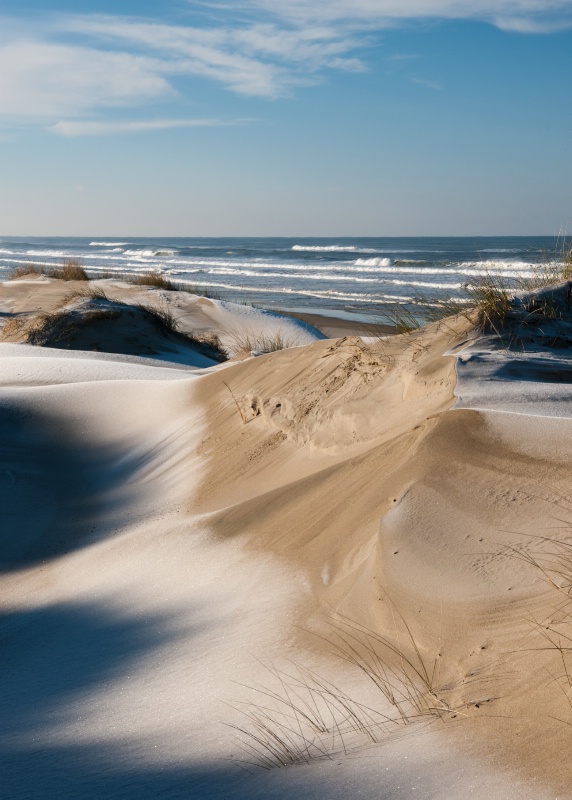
{"x":283,"y":117}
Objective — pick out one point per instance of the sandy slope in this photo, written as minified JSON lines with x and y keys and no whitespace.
{"x":169,"y":532}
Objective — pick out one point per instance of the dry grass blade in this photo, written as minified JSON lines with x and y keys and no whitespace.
{"x":307,"y":716}
{"x":492,"y":296}
{"x":552,"y":559}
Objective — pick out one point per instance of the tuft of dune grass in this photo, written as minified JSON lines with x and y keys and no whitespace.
{"x":550,"y":633}
{"x":491,"y":301}
{"x":70,"y":270}
{"x":25,"y":270}
{"x":303,"y":716}
{"x":58,"y":328}
{"x":245,"y":343}
{"x":154,"y":279}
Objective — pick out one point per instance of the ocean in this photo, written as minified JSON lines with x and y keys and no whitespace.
{"x":355,"y":277}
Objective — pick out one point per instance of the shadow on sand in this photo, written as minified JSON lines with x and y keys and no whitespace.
{"x":53,"y":487}
{"x":55,"y":660}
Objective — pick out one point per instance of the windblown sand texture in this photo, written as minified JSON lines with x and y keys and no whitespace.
{"x":371,"y":532}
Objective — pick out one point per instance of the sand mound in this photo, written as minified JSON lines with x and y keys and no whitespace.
{"x":240,"y":331}
{"x":100,"y":324}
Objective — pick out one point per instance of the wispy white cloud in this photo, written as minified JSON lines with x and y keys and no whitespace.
{"x":76,"y":66}
{"x":519,"y":15}
{"x":262,"y":59}
{"x":73,"y":128}
{"x":207,"y":53}
{"x":427,"y":83}
{"x":533,"y":24}
{"x":42,"y":80}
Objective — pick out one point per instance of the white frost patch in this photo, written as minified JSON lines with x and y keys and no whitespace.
{"x":533,"y":383}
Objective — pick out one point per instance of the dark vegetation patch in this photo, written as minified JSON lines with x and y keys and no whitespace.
{"x":97,"y":323}
{"x":70,"y":270}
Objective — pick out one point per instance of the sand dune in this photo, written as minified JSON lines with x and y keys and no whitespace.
{"x":387,"y":516}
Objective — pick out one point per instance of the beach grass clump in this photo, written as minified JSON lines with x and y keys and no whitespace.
{"x":500,"y":300}
{"x":57,"y":328}
{"x":26,"y":270}
{"x":492,"y":297}
{"x":494,"y":301}
{"x":405,"y":318}
{"x":155,"y":279}
{"x":70,"y":270}
{"x":249,"y":342}
{"x":139,"y":330}
{"x":245,"y":343}
{"x":303,"y":716}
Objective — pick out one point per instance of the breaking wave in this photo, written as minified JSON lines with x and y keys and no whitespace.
{"x":332,"y":248}
{"x":373,"y":262}
{"x":108,"y":244}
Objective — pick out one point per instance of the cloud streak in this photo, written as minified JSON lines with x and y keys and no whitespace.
{"x":81,"y":128}
{"x":428,"y":84}
{"x":519,"y":15}
{"x":78,"y":66}
{"x":46,"y":80}
{"x":262,"y":59}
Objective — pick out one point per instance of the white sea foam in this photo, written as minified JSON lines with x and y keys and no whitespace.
{"x":140,"y":253}
{"x":149,"y":253}
{"x":333,"y":248}
{"x":301,"y":276}
{"x":502,"y":273}
{"x":504,"y":263}
{"x":373,"y":266}
{"x":330,"y":294}
{"x":108,"y":244}
{"x":373,"y":262}
{"x":48,"y":253}
{"x":426,"y":284}
{"x":500,"y":267}
{"x":334,"y":274}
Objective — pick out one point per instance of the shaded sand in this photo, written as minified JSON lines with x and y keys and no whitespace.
{"x":170,"y":533}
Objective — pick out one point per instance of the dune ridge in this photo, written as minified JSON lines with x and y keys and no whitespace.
{"x":171,"y":531}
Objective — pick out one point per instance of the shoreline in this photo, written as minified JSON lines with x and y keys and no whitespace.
{"x":335,"y":327}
